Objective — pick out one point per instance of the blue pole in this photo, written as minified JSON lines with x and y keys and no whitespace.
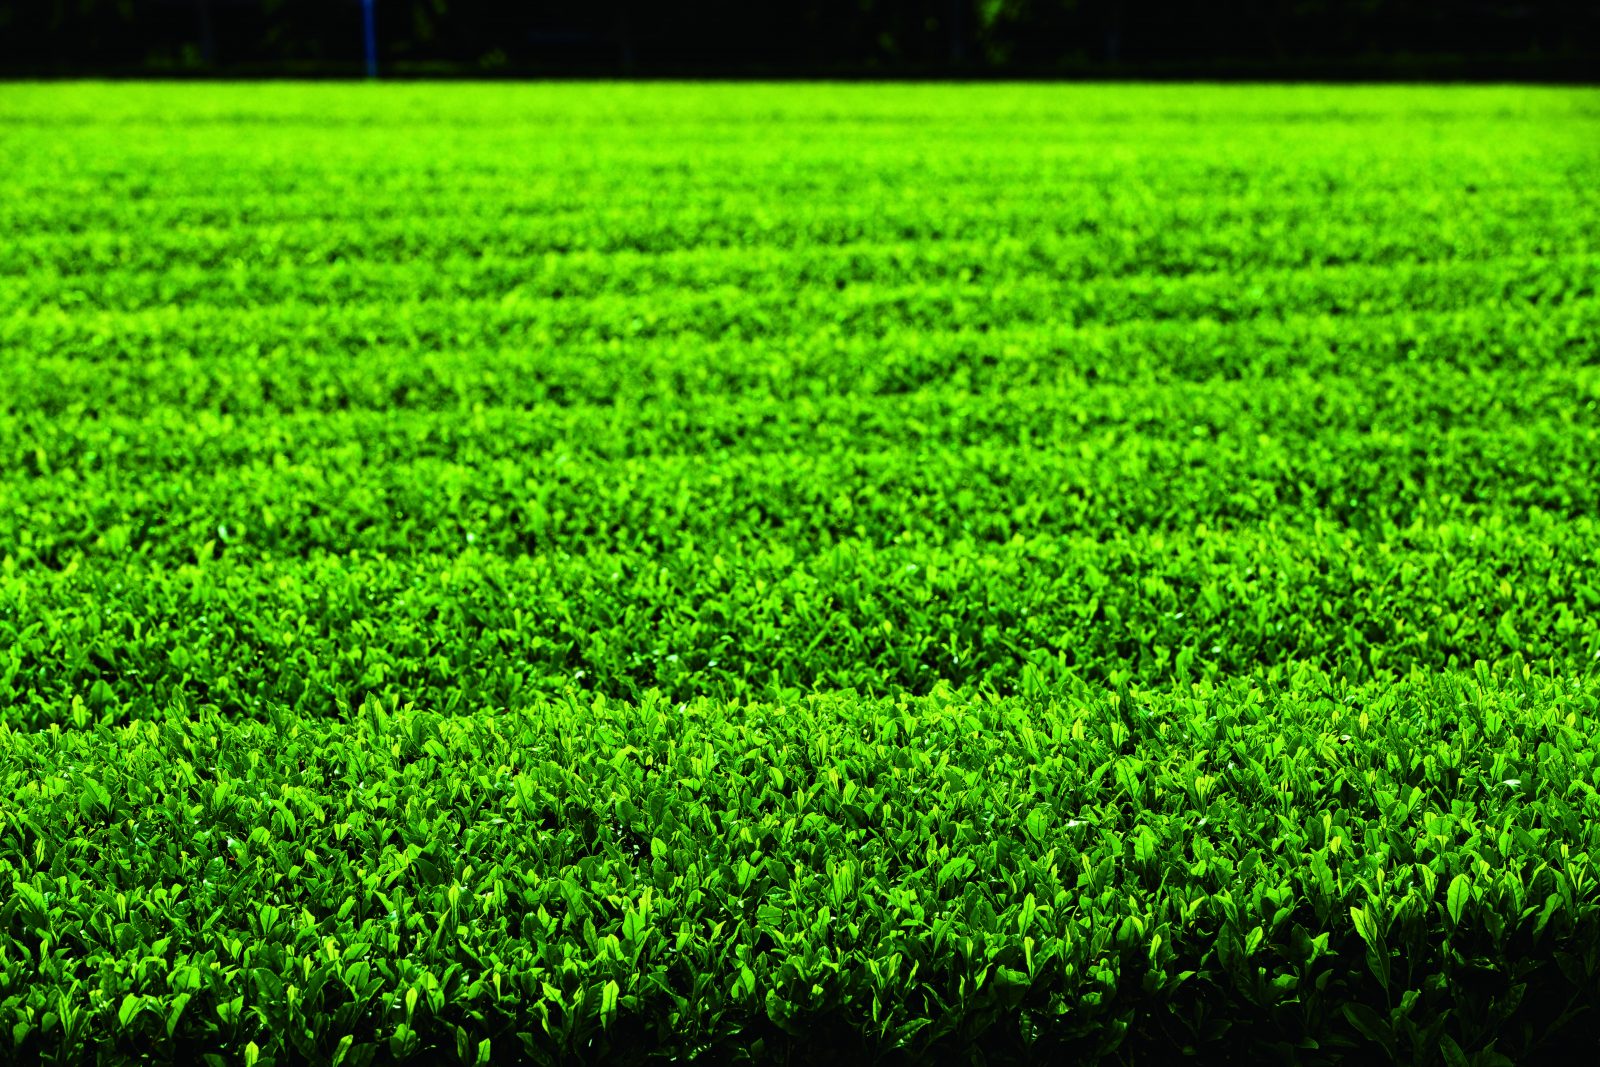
{"x":369,"y":27}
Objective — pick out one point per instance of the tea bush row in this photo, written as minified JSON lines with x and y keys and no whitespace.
{"x":1313,"y":869}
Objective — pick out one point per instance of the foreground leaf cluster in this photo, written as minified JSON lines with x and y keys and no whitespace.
{"x":1233,"y":871}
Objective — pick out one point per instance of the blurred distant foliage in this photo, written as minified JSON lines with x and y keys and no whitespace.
{"x":1493,"y":38}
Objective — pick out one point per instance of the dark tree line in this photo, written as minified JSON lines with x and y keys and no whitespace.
{"x":1487,"y":38}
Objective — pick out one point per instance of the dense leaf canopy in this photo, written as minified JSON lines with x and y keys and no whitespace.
{"x":595,"y":572}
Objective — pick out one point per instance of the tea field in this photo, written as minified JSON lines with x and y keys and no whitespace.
{"x":592,"y":573}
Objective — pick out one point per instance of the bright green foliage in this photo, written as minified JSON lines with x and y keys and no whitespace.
{"x":535,"y":572}
{"x":1400,"y":860}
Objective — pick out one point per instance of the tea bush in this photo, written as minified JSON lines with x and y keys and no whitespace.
{"x":601,"y":573}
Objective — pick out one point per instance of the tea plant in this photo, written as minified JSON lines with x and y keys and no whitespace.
{"x":598,"y":573}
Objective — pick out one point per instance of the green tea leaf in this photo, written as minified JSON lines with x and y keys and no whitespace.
{"x":1456,"y":898}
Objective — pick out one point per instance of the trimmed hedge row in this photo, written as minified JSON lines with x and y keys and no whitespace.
{"x":1317,"y":870}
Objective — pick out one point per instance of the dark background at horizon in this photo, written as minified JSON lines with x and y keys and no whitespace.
{"x":1554,"y":40}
